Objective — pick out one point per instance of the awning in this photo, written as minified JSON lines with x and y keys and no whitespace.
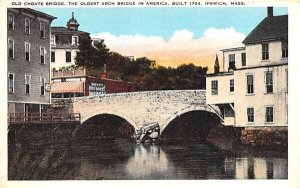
{"x":67,"y":87}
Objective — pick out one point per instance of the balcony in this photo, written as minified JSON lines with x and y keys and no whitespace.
{"x":68,"y":73}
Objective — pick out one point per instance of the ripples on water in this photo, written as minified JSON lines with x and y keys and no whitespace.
{"x":123,"y":159}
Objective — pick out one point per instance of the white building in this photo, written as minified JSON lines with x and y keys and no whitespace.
{"x":252,"y":89}
{"x":64,"y":43}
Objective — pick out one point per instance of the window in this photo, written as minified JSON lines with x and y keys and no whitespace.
{"x":10,"y":83}
{"x":42,"y":55}
{"x":287,"y":113}
{"x":287,"y":80}
{"x":243,"y":59}
{"x":68,"y":57}
{"x":52,"y":56}
{"x":269,"y":114}
{"x":42,"y":30}
{"x":52,"y":40}
{"x":214,"y":87}
{"x":27,"y":51}
{"x":74,"y":40}
{"x":284,"y":48}
{"x":265,"y":51}
{"x":250,"y":88}
{"x":269,"y":82}
{"x":250,"y":114}
{"x":231,"y":61}
{"x":42,"y":84}
{"x":27,"y":26}
{"x":11,"y":22}
{"x":10,"y":48}
{"x":27,"y":83}
{"x":231,"y":85}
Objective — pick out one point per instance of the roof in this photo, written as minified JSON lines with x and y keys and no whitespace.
{"x":64,"y":30}
{"x":35,"y":12}
{"x":233,"y":49}
{"x":67,"y":87}
{"x":270,"y":28}
{"x":72,"y":20}
{"x":220,"y":74}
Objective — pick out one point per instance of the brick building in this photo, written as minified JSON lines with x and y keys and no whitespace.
{"x":80,"y":82}
{"x":28,"y":59}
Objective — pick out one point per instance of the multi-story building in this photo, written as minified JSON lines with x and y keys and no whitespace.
{"x":28,"y":59}
{"x":64,"y":43}
{"x":252,"y":89}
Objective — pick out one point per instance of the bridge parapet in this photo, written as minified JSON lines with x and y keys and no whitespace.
{"x":139,"y":108}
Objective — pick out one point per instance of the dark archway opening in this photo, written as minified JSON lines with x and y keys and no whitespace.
{"x":189,"y":127}
{"x":105,"y":126}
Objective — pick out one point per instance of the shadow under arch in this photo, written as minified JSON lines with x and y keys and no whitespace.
{"x":100,"y":123}
{"x":109,"y":112}
{"x":204,"y":108}
{"x":191,"y":126}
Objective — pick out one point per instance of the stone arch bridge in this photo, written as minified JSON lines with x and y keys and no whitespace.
{"x":140,"y":108}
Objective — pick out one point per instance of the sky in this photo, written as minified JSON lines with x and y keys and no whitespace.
{"x":170,"y":36}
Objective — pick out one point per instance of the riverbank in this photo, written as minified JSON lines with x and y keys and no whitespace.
{"x":232,"y":138}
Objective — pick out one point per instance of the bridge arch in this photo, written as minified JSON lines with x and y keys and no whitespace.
{"x":205,"y":108}
{"x":109,"y":112}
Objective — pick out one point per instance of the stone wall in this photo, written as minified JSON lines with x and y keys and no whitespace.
{"x":139,"y":108}
{"x":265,"y":136}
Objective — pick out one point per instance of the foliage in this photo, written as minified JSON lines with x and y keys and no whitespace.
{"x":148,"y":76}
{"x":91,"y":56}
{"x":141,"y":71}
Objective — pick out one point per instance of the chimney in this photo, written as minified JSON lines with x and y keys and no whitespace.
{"x":270,"y":11}
{"x":104,"y":68}
{"x":104,"y":74}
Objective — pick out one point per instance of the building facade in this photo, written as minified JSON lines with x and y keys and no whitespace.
{"x":64,"y":43}
{"x":252,"y":89}
{"x":28,"y":59}
{"x":79,"y":82}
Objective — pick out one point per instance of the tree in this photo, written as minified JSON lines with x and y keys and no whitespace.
{"x":91,"y":56}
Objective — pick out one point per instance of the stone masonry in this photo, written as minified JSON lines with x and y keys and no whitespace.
{"x":140,"y":108}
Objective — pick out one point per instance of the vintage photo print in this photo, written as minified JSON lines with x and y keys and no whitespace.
{"x":149,"y":90}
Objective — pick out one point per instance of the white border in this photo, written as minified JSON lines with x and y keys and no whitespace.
{"x":294,"y":109}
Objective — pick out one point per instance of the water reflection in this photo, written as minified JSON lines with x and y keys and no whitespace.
{"x":148,"y":162}
{"x":122,"y":159}
{"x":257,"y":168}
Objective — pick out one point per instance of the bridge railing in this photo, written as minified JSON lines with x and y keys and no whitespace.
{"x":17,"y":118}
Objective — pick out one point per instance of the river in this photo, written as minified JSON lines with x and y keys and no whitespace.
{"x":122,"y":159}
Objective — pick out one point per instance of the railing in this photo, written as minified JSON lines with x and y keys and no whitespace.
{"x":17,"y":118}
{"x":68,"y":73}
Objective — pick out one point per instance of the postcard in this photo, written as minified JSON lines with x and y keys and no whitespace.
{"x":180,"y":92}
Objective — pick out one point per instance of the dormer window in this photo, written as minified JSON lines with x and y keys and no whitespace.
{"x":52,"y":40}
{"x":74,"y":40}
{"x":284,"y":48}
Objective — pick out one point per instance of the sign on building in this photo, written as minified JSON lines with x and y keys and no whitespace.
{"x":96,"y":89}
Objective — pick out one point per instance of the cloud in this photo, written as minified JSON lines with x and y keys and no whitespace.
{"x":182,"y":47}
